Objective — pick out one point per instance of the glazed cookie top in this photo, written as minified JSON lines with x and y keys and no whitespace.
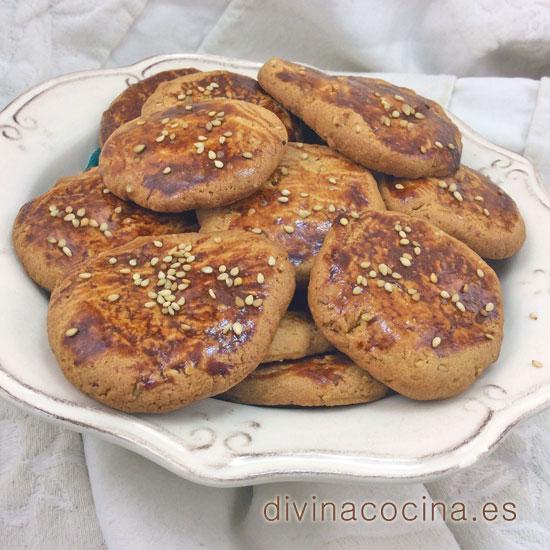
{"x":467,"y":205}
{"x":406,"y":132}
{"x":78,"y":219}
{"x":320,"y":380}
{"x":205,"y":86}
{"x":127,"y":105}
{"x":172,"y":314}
{"x":193,"y":156}
{"x":311,"y":187}
{"x":393,"y":282}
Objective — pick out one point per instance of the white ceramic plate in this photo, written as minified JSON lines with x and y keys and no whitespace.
{"x":51,"y":130}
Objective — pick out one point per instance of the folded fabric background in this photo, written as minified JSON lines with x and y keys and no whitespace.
{"x":45,"y":495}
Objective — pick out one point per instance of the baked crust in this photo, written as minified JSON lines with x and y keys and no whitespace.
{"x":384,"y":127}
{"x":127,"y":348}
{"x":296,"y":337}
{"x":179,"y":159}
{"x":127,"y":105}
{"x":76,"y":220}
{"x":319,"y":381}
{"x":467,"y":205}
{"x":416,"y":308}
{"x":332,"y":185}
{"x":205,"y":86}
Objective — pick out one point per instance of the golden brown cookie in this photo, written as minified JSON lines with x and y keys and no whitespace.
{"x":384,"y":127}
{"x":467,"y":205}
{"x":78,"y":219}
{"x":318,"y":381}
{"x":205,"y":86}
{"x":416,"y":308}
{"x":296,"y":337}
{"x":295,"y":208}
{"x":163,"y":326}
{"x":127,"y":105}
{"x":194,"y":156}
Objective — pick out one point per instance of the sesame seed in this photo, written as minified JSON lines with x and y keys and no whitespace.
{"x":536,"y":364}
{"x":451,"y":146}
{"x":247,"y":155}
{"x":212,"y":155}
{"x":212,"y":293}
{"x":490,"y":306}
{"x":419,"y":116}
{"x":256,"y":230}
{"x":71,"y":332}
{"x":166,"y":170}
{"x":357,"y":290}
{"x":85,"y":275}
{"x":129,"y":189}
{"x":160,"y":138}
{"x":260,"y":278}
{"x":366,"y":317}
{"x":284,"y":170}
{"x":486,"y":212}
{"x":249,"y":300}
{"x":237,"y":328}
{"x":158,"y":244}
{"x":271,"y":261}
{"x":133,"y":262}
{"x":364,"y":265}
{"x":399,"y":186}
{"x":433,"y":278}
{"x":139,"y":148}
{"x":282,"y":199}
{"x":67,"y":251}
{"x":480,"y":273}
{"x":405,"y":261}
{"x":458,"y":196}
{"x":460,"y":306}
{"x":207,"y":269}
{"x":52,"y":240}
{"x":438,"y":144}
{"x":118,"y":209}
{"x":478,"y":198}
{"x":404,"y":242}
{"x":388,"y":287}
{"x":218,"y":164}
{"x":317,"y":208}
{"x":383,"y":268}
{"x":113,"y":297}
{"x":399,"y":98}
{"x":344,"y":221}
{"x":444,"y":294}
{"x":288,"y":228}
{"x":442,"y":184}
{"x":80,"y":212}
{"x":395,"y":114}
{"x":436,"y":341}
{"x":149,"y":305}
{"x":453,"y":187}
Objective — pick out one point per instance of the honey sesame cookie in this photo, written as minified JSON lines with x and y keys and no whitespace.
{"x":296,"y":337}
{"x":78,"y":219}
{"x":205,"y":86}
{"x":467,"y":205}
{"x":296,"y":206}
{"x":382,"y":126}
{"x":127,"y":105}
{"x":162,"y":327}
{"x":319,"y":381}
{"x":416,"y":308}
{"x":194,"y":156}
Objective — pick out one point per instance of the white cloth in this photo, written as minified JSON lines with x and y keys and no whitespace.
{"x":45,"y":498}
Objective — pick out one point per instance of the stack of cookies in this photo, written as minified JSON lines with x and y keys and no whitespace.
{"x":303,"y":240}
